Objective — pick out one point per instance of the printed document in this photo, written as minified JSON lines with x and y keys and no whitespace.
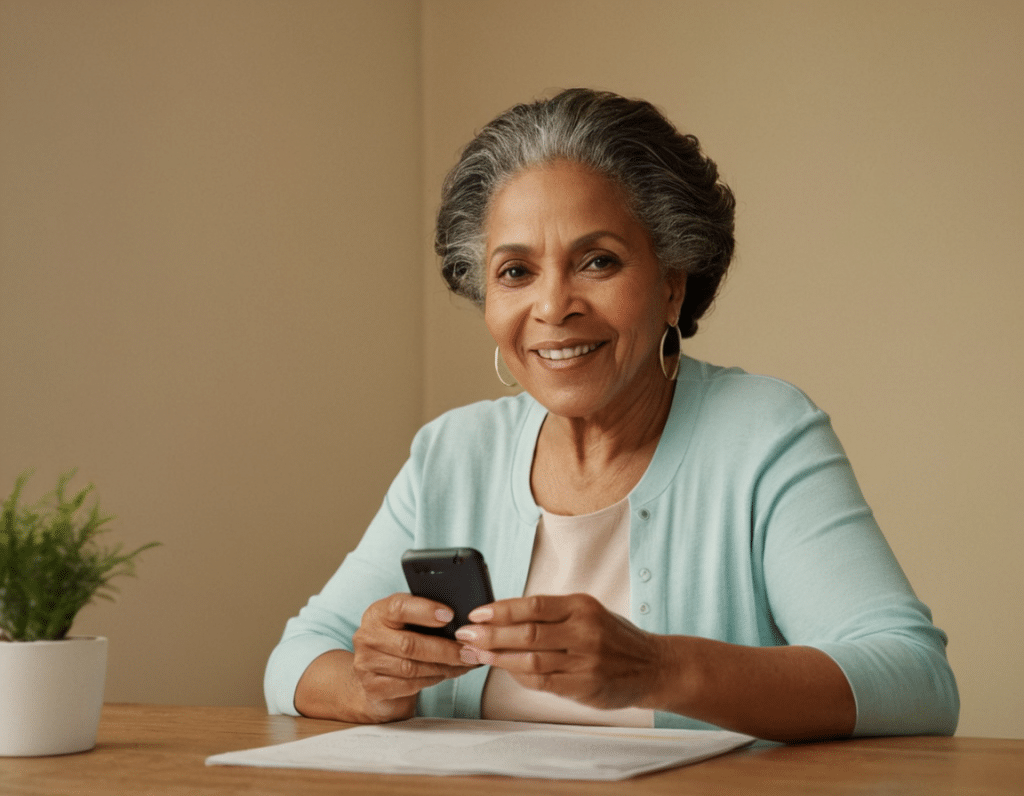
{"x":447,"y":747}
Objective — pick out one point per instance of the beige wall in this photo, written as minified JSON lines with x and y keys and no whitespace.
{"x":212,"y":302}
{"x":217,"y":239}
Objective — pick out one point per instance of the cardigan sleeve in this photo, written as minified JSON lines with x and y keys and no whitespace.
{"x":832,"y":582}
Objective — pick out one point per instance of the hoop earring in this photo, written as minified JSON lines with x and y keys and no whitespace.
{"x":497,"y":369}
{"x":661,"y":352}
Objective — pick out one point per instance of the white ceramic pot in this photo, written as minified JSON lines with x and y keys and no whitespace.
{"x":51,"y":695}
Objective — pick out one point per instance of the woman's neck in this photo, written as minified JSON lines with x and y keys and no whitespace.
{"x":585,"y":464}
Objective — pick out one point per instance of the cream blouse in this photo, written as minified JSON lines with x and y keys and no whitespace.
{"x":589,"y":554}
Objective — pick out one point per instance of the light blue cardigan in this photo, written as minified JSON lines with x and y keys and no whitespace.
{"x":747,"y":527}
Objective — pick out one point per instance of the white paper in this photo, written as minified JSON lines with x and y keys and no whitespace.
{"x":447,"y":747}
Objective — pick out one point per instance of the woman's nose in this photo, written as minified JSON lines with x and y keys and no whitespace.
{"x":556,"y":299}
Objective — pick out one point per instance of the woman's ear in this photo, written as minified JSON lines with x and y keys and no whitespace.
{"x":677,"y":292}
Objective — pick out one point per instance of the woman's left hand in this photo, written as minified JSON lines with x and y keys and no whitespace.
{"x":568,"y":645}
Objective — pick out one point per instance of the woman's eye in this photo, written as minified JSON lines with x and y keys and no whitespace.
{"x":601,"y":262}
{"x":512,"y":272}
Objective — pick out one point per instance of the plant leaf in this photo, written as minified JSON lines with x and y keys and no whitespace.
{"x":51,"y":564}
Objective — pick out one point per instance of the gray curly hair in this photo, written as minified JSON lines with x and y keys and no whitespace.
{"x":672,"y":188}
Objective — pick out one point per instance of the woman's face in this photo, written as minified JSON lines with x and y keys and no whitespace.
{"x":575,"y":297}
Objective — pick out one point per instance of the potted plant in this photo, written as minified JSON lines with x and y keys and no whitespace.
{"x":51,"y":565}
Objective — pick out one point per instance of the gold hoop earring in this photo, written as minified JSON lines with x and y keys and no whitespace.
{"x":661,"y":352}
{"x":497,"y":369}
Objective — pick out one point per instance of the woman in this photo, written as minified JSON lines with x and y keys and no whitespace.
{"x":715,"y":509}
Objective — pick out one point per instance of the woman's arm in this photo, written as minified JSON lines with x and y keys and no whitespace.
{"x":572,"y":646}
{"x":790,"y":693}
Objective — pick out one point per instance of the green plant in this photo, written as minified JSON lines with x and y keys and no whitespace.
{"x":51,"y":565}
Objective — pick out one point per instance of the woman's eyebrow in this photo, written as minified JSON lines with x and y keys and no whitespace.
{"x":594,"y":237}
{"x":510,"y":248}
{"x":580,"y":243}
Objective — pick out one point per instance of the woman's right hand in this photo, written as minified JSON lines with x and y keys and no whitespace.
{"x":393,"y":664}
{"x":390,"y":665}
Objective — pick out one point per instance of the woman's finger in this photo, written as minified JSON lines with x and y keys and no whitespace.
{"x":407,"y":646}
{"x":535,"y":608}
{"x":523,"y":636}
{"x":519,"y":662}
{"x":401,"y":609}
{"x":411,"y":669}
{"x":384,"y":686}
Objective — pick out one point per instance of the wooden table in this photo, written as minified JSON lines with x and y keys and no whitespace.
{"x":157,"y":750}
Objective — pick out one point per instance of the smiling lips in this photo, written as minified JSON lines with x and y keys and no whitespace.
{"x":568,"y":352}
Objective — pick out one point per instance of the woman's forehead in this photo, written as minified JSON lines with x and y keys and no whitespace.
{"x":562,"y":198}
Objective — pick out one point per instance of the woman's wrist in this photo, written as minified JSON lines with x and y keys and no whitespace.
{"x":319,"y":693}
{"x":672,"y":680}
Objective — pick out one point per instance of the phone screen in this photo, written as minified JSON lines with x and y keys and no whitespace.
{"x":456,"y":577}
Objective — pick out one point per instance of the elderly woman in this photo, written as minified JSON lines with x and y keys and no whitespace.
{"x":713,"y":508}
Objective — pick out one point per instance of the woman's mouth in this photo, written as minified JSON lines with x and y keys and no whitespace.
{"x":570,"y":352}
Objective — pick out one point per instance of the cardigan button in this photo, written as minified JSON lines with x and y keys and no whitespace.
{"x":645,"y":514}
{"x":644,"y":608}
{"x":645,"y":575}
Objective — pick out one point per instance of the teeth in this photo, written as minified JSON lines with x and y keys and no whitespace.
{"x":567,"y":353}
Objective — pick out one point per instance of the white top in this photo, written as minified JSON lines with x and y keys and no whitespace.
{"x":585,"y":554}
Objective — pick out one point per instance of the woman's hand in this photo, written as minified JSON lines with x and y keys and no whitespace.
{"x":574,"y":647}
{"x":390,"y":665}
{"x":568,"y":645}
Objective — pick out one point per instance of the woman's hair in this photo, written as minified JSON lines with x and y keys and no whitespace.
{"x":672,"y":188}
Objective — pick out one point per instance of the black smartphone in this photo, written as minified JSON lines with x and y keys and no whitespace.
{"x":454,"y":576}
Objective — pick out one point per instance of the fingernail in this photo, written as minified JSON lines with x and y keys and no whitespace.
{"x":468,"y":655}
{"x":481,"y":614}
{"x":445,"y":615}
{"x":465,"y":634}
